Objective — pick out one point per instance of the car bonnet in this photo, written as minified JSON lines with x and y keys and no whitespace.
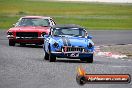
{"x":71,"y":41}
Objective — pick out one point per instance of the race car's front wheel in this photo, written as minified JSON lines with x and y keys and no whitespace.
{"x":46,"y":56}
{"x":90,"y":59}
{"x":11,"y":42}
{"x":52,"y":58}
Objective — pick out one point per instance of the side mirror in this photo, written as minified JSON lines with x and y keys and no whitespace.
{"x":46,"y":36}
{"x":89,"y":37}
{"x":13,"y":25}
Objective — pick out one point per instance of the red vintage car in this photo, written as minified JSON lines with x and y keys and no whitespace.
{"x":29,"y":30}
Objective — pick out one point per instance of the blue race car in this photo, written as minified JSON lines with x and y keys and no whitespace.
{"x":68,"y":41}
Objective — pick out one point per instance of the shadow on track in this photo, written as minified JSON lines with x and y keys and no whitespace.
{"x":69,"y":61}
{"x":30,"y":46}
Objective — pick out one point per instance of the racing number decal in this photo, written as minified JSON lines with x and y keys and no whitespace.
{"x":74,"y":55}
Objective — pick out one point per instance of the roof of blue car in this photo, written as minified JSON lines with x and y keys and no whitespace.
{"x":67,"y":26}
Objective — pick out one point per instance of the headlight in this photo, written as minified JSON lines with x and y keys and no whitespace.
{"x":56,"y":45}
{"x":90,"y":45}
{"x":9,"y":33}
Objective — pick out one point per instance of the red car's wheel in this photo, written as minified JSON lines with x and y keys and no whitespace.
{"x":11,"y":42}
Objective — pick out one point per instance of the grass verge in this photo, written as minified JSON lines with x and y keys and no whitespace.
{"x":90,"y":15}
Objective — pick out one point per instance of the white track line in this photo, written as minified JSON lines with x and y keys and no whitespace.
{"x":120,"y":66}
{"x":98,"y":52}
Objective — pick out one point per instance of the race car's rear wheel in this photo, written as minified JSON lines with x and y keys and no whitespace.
{"x":89,"y":59}
{"x":11,"y":42}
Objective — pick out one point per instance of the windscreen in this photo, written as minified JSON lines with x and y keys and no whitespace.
{"x":77,"y":32}
{"x":33,"y":22}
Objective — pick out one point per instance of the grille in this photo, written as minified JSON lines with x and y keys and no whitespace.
{"x":27,"y":34}
{"x":70,"y":49}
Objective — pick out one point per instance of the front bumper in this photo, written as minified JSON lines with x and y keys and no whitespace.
{"x":30,"y":40}
{"x":75,"y":54}
{"x":13,"y":37}
{"x":29,"y":37}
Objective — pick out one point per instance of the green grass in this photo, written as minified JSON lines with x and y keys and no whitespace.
{"x":89,"y":15}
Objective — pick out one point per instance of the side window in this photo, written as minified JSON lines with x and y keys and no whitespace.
{"x":17,"y":23}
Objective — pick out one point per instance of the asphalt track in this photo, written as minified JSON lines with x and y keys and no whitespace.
{"x":23,"y":67}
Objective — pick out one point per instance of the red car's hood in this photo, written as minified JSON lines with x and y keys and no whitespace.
{"x":30,"y":29}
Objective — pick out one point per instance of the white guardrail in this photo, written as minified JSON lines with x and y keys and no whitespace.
{"x":108,"y":1}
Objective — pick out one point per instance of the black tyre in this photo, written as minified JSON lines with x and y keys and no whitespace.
{"x":90,"y":59}
{"x":46,"y":56}
{"x":52,"y":58}
{"x":11,"y":43}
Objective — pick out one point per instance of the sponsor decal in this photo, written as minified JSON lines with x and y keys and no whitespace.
{"x":74,"y":55}
{"x":83,"y":78}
